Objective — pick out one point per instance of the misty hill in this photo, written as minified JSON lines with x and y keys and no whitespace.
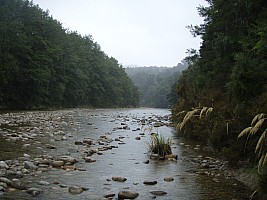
{"x":155,"y":83}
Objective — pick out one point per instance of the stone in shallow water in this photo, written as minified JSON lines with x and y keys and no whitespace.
{"x":57,"y":163}
{"x":168,"y":179}
{"x":158,"y":193}
{"x":127,"y":195}
{"x":119,"y":178}
{"x":149,"y":182}
{"x":34,"y":191}
{"x":17,"y":184}
{"x":30,"y":165}
{"x":75,"y":190}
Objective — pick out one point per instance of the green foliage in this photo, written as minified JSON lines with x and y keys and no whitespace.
{"x":229,"y":74}
{"x":43,"y":65}
{"x":159,"y":145}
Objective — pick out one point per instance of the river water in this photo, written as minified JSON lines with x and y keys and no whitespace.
{"x":61,"y":129}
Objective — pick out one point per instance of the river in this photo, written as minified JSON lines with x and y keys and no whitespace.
{"x":120,"y":140}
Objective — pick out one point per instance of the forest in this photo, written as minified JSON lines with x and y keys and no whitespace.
{"x":43,"y":65}
{"x":223,"y":94}
{"x":154,"y":84}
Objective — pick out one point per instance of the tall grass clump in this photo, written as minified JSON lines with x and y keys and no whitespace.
{"x":258,"y":128}
{"x":158,"y":144}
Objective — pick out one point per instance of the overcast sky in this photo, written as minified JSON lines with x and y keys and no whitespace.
{"x":135,"y":32}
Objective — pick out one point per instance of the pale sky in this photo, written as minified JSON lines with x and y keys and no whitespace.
{"x":135,"y":32}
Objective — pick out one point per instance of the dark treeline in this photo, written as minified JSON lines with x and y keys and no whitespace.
{"x":43,"y":65}
{"x":229,"y":77}
{"x":154,"y":84}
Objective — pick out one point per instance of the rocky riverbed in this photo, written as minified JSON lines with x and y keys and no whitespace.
{"x":102,"y":154}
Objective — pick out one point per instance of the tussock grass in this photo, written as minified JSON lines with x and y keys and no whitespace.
{"x":199,"y":112}
{"x":258,"y":127}
{"x":158,"y":144}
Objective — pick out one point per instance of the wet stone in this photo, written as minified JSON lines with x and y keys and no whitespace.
{"x":75,"y":190}
{"x":17,"y":184}
{"x":119,"y":178}
{"x":158,"y":193}
{"x":168,"y":179}
{"x":127,"y":195}
{"x":149,"y":182}
{"x":34,"y":191}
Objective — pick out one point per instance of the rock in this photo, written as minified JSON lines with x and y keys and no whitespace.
{"x":4,"y":185}
{"x":109,"y":195}
{"x":119,"y":179}
{"x":158,"y":193}
{"x":5,"y":180}
{"x":34,"y":191}
{"x":154,"y":156}
{"x":168,"y":179}
{"x":138,"y":138}
{"x":68,"y":159}
{"x":171,"y":156}
{"x":68,"y":167}
{"x":17,"y":184}
{"x":146,"y":162}
{"x":43,"y":183}
{"x":87,"y":141}
{"x":127,"y":195}
{"x":88,"y":159}
{"x":78,"y":143}
{"x":147,"y":182}
{"x":62,"y":185}
{"x":29,"y":165}
{"x":49,"y":146}
{"x":3,"y":165}
{"x":57,"y":163}
{"x":2,"y":189}
{"x":75,"y":190}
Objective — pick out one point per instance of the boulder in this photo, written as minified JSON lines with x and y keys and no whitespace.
{"x":127,"y":195}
